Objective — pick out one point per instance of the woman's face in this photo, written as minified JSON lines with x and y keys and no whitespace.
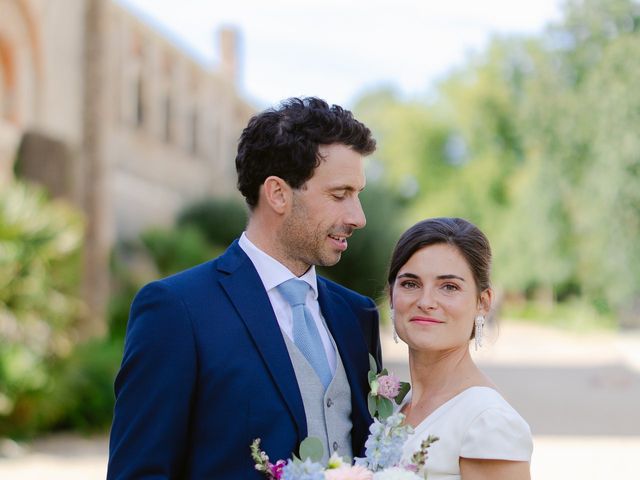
{"x":435,"y":299}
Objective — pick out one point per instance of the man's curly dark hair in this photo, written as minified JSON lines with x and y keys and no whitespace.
{"x":284,"y":142}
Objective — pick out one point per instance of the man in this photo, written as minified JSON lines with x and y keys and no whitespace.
{"x":221,"y":354}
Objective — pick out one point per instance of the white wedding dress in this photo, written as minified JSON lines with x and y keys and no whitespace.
{"x":476,"y":423}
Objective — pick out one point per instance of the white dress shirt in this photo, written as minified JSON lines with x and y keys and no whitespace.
{"x":273,"y":273}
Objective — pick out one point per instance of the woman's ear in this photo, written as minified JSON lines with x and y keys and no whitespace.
{"x":485,"y":301}
{"x":277,"y":194}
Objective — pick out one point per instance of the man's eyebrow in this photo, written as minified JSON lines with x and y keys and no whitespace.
{"x":346,"y":188}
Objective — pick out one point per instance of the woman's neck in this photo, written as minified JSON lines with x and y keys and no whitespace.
{"x":436,"y":377}
{"x":439,"y":371}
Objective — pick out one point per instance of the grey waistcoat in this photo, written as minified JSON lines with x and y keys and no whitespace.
{"x":328,"y":412}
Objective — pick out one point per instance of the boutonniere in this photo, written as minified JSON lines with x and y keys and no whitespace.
{"x":385,"y":389}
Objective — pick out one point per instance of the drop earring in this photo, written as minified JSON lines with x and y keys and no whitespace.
{"x":479,"y":330}
{"x":393,"y":326}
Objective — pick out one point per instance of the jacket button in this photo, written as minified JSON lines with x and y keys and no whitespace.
{"x":335,"y":446}
{"x":329,"y":402}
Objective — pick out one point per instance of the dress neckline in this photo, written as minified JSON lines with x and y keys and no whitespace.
{"x":441,"y":409}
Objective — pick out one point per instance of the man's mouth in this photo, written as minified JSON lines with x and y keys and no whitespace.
{"x":340,"y":241}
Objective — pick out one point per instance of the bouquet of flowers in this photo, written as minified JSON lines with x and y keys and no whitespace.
{"x":383,"y":454}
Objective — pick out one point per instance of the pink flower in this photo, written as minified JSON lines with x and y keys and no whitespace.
{"x":388,"y":386}
{"x":348,"y":472}
{"x":276,"y":470}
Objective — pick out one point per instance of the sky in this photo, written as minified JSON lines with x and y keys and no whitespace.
{"x":340,"y":49}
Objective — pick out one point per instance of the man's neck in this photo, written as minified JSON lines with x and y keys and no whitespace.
{"x":266,"y":240}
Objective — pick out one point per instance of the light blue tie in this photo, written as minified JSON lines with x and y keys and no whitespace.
{"x":305,"y":332}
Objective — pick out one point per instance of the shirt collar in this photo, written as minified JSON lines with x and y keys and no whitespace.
{"x":272,"y":272}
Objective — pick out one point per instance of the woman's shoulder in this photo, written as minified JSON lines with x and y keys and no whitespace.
{"x":494,"y":429}
{"x":479,"y":397}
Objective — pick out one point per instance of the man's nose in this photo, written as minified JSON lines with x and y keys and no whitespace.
{"x":356,"y":217}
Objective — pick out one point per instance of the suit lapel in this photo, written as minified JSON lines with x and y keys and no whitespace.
{"x":247,"y":293}
{"x":352,"y":348}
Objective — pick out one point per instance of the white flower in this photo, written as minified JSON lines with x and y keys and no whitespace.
{"x":335,"y":461}
{"x":395,"y":473}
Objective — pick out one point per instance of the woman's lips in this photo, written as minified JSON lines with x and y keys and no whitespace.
{"x":426,"y":320}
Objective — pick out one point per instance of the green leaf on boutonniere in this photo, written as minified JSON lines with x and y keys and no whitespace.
{"x":385,"y":408}
{"x":372,"y":376}
{"x":373,"y":366}
{"x":311,"y":448}
{"x":404,"y":389}
{"x":372,"y":405}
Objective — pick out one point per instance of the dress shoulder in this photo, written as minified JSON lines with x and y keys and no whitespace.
{"x":497,"y":432}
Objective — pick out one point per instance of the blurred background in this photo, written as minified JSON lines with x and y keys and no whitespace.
{"x":119,"y":121}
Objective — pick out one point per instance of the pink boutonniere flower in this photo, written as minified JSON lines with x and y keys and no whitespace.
{"x":388,"y":386}
{"x":385,"y":390}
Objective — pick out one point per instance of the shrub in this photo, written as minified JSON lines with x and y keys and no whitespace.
{"x":220,"y":220}
{"x":40,"y":244}
{"x":176,"y":249}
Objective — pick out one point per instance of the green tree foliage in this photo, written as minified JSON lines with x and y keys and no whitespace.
{"x":40,"y":245}
{"x":608,"y":217}
{"x":586,"y":30}
{"x":535,"y":140}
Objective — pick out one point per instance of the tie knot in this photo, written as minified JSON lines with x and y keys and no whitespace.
{"x":294,"y":291}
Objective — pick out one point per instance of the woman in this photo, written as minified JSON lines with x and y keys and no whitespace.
{"x":440,"y":295}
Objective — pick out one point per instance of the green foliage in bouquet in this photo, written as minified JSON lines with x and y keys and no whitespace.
{"x":310,"y":448}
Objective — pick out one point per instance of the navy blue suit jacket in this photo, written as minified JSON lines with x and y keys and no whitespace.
{"x":205,"y":371}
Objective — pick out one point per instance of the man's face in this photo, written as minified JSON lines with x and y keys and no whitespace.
{"x":325,"y":210}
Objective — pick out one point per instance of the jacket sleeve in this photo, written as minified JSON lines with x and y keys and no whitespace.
{"x":153,"y":388}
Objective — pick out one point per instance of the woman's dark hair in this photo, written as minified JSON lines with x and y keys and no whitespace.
{"x":284,"y":142}
{"x":465,"y":236}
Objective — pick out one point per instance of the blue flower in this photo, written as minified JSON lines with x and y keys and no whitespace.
{"x":385,"y":442}
{"x":306,"y":470}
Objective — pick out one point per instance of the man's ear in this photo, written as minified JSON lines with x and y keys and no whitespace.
{"x":277,"y":194}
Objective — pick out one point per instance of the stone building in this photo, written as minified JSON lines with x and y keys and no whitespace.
{"x":103,"y":109}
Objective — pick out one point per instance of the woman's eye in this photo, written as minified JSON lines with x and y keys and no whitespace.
{"x":450,"y":287}
{"x":409,"y":284}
